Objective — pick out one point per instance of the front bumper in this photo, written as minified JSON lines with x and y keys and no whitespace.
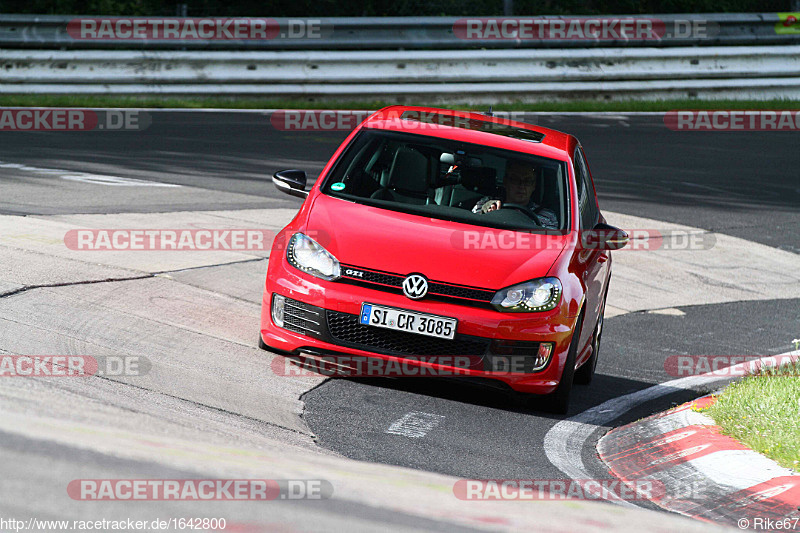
{"x":326,"y":321}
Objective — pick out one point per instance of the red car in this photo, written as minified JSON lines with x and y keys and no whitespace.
{"x":434,"y":234}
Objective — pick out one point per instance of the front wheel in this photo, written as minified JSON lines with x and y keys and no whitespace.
{"x":558,"y":400}
{"x":584,"y":375}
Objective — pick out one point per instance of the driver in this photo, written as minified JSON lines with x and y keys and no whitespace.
{"x":520,"y":183}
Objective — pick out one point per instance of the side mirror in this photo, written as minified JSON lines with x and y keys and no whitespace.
{"x":292,"y":182}
{"x":604,"y":237}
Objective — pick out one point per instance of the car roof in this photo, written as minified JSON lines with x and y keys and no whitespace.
{"x":473,"y":127}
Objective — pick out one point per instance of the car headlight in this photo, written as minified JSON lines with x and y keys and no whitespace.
{"x":306,"y":254}
{"x":532,"y":296}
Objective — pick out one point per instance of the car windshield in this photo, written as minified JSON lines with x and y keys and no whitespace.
{"x":452,"y":180}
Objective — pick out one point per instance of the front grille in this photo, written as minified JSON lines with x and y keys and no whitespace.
{"x":303,"y":318}
{"x":381,"y":278}
{"x":345,"y":328}
{"x":394,"y":282}
{"x":458,"y":291}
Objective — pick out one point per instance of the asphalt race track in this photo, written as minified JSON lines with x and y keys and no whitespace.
{"x":195,"y":318}
{"x":741,"y":184}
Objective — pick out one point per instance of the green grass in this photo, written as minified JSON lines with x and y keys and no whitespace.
{"x":190,"y":102}
{"x":763,"y":413}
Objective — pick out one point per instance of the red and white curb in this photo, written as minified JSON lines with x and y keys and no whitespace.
{"x":704,"y":474}
{"x":566,"y":441}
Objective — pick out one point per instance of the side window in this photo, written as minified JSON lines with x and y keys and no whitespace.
{"x":586,"y":199}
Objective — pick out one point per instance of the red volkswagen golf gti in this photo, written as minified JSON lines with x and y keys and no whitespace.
{"x":435,"y":236}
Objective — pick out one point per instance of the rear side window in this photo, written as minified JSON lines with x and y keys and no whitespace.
{"x":587,"y":202}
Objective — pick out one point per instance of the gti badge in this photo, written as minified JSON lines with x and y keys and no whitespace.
{"x":415,"y":286}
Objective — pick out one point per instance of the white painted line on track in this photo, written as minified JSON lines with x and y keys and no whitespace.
{"x":415,"y":424}
{"x":669,"y":311}
{"x":564,"y":443}
{"x":87,"y":177}
{"x":98,"y":179}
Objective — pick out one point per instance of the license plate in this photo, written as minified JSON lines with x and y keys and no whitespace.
{"x":403,"y":320}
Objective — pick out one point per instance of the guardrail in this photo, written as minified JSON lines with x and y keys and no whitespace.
{"x":385,"y":33}
{"x":423,"y":58}
{"x":435,"y":75}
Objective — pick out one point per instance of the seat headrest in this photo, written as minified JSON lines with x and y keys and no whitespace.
{"x":547,"y":189}
{"x":409,"y":171}
{"x":541,"y":180}
{"x":479,"y":179}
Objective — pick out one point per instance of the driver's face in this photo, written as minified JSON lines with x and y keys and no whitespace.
{"x":520,"y":182}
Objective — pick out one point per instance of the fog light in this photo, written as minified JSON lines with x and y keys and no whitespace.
{"x":278,"y":303}
{"x":519,"y":356}
{"x":543,"y":355}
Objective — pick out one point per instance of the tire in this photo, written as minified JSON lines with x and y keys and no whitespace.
{"x":584,"y":375}
{"x":558,"y":401}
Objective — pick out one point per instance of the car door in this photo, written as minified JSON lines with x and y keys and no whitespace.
{"x":594,"y":261}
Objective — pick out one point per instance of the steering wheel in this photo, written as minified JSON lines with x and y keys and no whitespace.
{"x":524,"y":209}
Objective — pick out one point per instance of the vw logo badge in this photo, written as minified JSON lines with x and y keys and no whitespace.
{"x":415,"y":286}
